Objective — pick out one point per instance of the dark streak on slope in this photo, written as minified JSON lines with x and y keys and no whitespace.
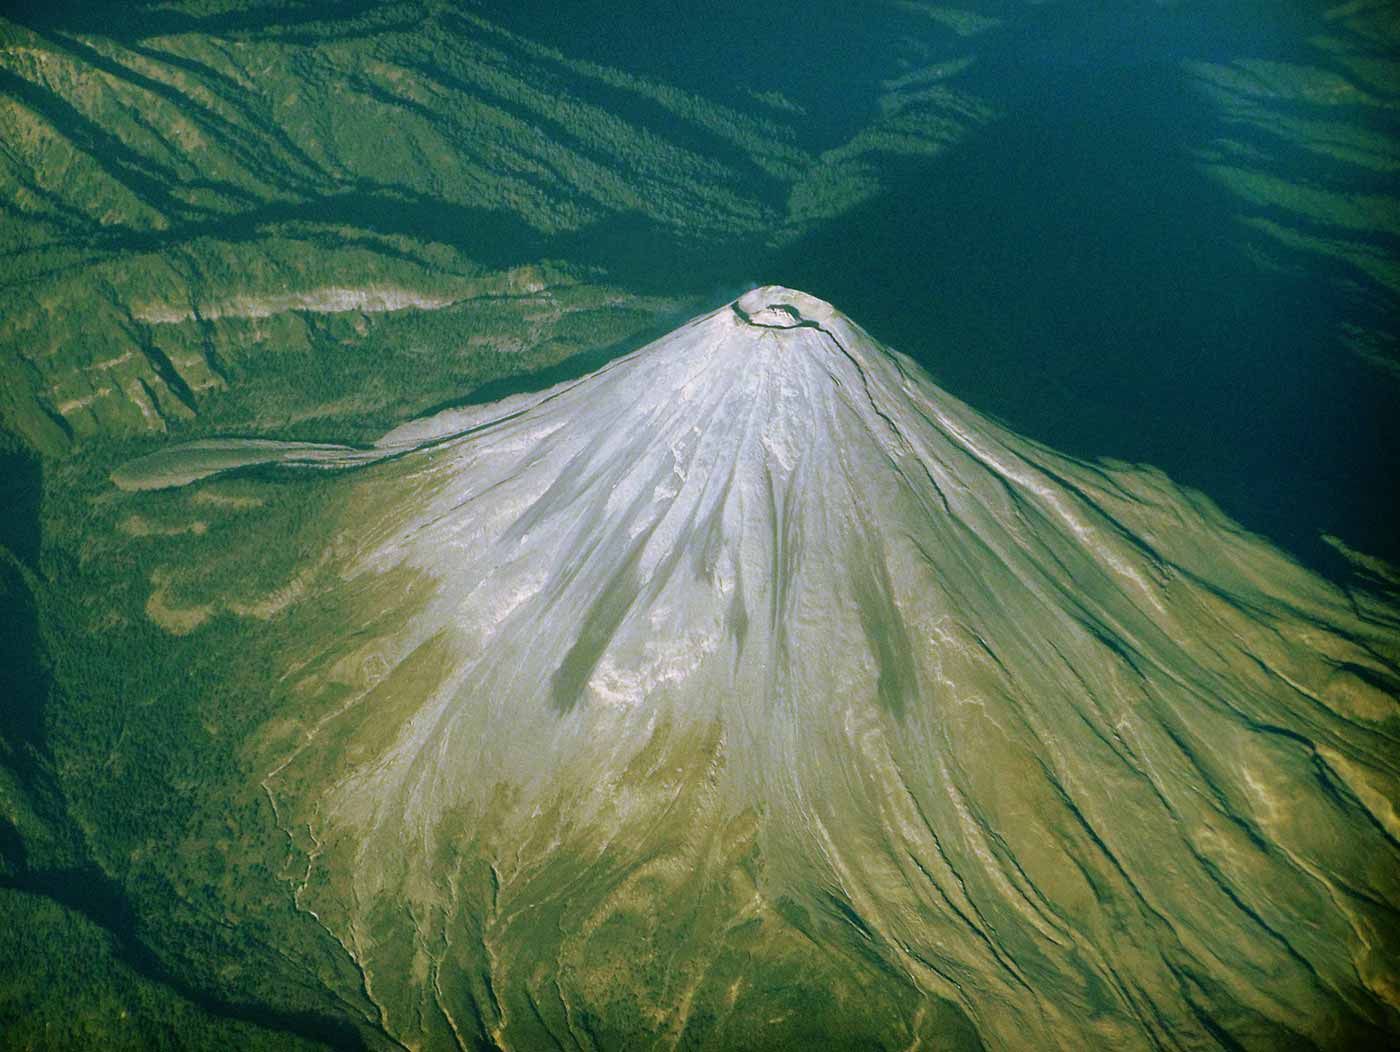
{"x":102,"y":900}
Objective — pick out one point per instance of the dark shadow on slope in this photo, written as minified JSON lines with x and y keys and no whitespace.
{"x":103,"y":901}
{"x":493,"y":238}
{"x":830,"y":55}
{"x":630,"y":103}
{"x":24,"y":684}
{"x":21,"y":481}
{"x":25,"y":681}
{"x":138,"y":19}
{"x":25,"y":687}
{"x":1072,"y":273}
{"x":648,"y":257}
{"x":1068,"y":270}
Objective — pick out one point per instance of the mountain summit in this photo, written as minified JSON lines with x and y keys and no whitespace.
{"x":754,"y":692}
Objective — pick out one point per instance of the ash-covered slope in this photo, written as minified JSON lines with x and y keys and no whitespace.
{"x":754,"y":692}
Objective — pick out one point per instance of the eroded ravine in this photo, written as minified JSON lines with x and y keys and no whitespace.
{"x":755,"y":690}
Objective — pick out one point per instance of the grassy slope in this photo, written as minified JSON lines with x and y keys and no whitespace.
{"x":178,"y":211}
{"x":186,"y":197}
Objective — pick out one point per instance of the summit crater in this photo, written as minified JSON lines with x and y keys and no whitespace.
{"x":802,"y":652}
{"x":777,"y":307}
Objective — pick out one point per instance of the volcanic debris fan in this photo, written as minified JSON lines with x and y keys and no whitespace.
{"x":754,"y":691}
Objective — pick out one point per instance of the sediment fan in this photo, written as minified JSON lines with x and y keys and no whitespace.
{"x":753,"y":692}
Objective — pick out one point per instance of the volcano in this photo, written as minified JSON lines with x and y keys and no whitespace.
{"x":754,"y":692}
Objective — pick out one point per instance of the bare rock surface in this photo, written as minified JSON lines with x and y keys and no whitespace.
{"x":754,"y":688}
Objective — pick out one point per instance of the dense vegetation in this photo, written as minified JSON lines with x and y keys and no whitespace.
{"x":173,"y":194}
{"x":224,"y":217}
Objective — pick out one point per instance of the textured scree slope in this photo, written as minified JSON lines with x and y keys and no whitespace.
{"x":753,"y":691}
